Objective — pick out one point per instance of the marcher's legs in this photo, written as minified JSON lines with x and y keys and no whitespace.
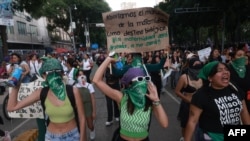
{"x":109,"y":102}
{"x":87,"y":74}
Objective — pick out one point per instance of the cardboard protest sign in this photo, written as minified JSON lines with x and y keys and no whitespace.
{"x":33,"y":111}
{"x":136,"y":30}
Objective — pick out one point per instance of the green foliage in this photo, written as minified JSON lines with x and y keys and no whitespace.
{"x":230,"y":16}
{"x":57,"y":13}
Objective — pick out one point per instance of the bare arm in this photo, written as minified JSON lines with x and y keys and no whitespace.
{"x":245,"y":116}
{"x":158,"y":110}
{"x":194,"y":115}
{"x":14,"y":105}
{"x":93,"y":105}
{"x":98,"y":81}
{"x":81,"y":114}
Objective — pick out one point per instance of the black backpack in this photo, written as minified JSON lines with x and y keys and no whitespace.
{"x":70,"y":94}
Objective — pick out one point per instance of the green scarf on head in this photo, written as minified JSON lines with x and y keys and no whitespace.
{"x":55,"y":83}
{"x":137,"y":93}
{"x":206,"y":70}
{"x":239,"y":66}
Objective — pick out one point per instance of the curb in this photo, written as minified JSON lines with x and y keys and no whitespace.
{"x":29,"y":135}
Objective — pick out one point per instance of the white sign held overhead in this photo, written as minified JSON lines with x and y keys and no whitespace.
{"x":204,"y":54}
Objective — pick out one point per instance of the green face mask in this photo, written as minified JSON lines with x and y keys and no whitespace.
{"x":55,"y":82}
{"x":239,"y":66}
{"x":137,"y":93}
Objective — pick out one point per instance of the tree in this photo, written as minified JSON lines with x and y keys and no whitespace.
{"x":57,"y":12}
{"x":228,"y":18}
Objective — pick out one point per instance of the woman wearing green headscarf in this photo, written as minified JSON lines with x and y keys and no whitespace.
{"x":62,"y":125}
{"x":240,"y":73}
{"x":216,"y":104}
{"x":136,"y":101}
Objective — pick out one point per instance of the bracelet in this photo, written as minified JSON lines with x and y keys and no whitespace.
{"x":156,"y":103}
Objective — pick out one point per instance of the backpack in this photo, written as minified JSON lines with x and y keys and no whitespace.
{"x":70,"y":94}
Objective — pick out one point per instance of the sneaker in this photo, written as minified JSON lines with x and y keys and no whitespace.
{"x":92,"y":135}
{"x":108,"y":123}
{"x":117,"y":119}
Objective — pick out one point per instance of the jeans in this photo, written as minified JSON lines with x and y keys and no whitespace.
{"x":72,"y":135}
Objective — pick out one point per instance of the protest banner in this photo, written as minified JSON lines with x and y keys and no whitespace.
{"x":136,"y":30}
{"x":33,"y":111}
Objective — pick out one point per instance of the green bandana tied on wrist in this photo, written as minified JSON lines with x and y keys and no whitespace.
{"x":52,"y":67}
{"x":239,"y":66}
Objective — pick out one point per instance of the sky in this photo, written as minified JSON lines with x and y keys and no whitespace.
{"x":115,"y":4}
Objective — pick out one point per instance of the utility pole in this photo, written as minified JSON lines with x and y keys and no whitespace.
{"x":86,"y":33}
{"x":72,"y":29}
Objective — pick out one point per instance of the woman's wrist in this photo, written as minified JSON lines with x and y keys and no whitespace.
{"x":156,"y":103}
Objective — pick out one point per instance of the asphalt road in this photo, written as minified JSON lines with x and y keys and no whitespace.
{"x":103,"y":133}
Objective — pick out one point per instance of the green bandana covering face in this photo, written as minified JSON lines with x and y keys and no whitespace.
{"x":55,"y":83}
{"x":137,"y":93}
{"x":239,"y":66}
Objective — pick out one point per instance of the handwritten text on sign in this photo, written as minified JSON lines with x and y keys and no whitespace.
{"x":136,"y":30}
{"x":33,"y":111}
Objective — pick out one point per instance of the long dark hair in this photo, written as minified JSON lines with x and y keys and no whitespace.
{"x":18,"y":56}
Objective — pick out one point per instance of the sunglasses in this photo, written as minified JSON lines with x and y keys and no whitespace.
{"x":141,"y":78}
{"x":48,"y":72}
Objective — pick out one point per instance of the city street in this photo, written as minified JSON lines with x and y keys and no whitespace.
{"x":103,"y":133}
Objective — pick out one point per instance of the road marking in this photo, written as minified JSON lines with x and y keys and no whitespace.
{"x":20,"y":125}
{"x":169,"y":94}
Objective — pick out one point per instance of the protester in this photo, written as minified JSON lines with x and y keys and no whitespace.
{"x":214,"y":55}
{"x":240,"y":74}
{"x":71,"y":75}
{"x":16,"y":61}
{"x":136,"y":101}
{"x":34,"y":65}
{"x":63,"y":123}
{"x":112,"y":107}
{"x":216,"y":104}
{"x":87,"y":64}
{"x":187,"y":85}
{"x":88,"y":96}
{"x":175,"y":66}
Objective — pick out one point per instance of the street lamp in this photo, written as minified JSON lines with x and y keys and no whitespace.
{"x":72,"y":29}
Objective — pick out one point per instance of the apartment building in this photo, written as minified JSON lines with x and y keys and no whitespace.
{"x":31,"y":35}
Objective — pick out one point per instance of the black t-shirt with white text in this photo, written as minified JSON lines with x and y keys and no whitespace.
{"x":219,"y":107}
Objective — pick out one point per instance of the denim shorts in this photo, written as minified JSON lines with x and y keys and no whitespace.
{"x":72,"y":135}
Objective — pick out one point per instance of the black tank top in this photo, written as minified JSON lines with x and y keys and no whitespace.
{"x":188,"y":89}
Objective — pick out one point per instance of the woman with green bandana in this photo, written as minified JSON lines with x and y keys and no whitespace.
{"x":136,"y":101}
{"x":62,"y":125}
{"x":240,"y":74}
{"x":216,"y":104}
